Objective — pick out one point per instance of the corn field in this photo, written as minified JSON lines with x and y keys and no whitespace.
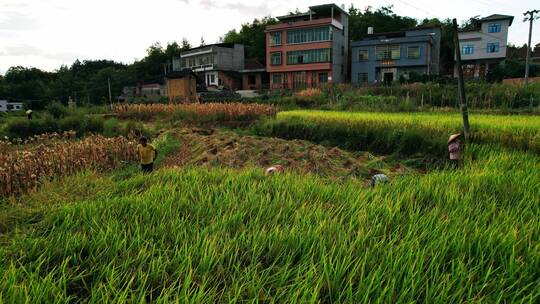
{"x":197,"y":111}
{"x":7,"y":144}
{"x":24,"y":170}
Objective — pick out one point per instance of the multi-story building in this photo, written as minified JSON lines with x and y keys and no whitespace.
{"x":387,"y":57}
{"x":308,"y":49}
{"x":485,"y":46}
{"x":217,"y":64}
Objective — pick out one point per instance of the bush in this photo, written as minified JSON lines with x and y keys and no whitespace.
{"x":220,"y":96}
{"x":57,"y":110}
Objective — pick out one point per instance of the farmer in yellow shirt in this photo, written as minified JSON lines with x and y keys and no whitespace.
{"x":147,"y":154}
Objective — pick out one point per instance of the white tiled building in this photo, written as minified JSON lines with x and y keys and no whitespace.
{"x":6,"y":106}
{"x":484,"y":47}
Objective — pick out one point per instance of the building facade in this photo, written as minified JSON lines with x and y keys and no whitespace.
{"x":308,"y":49}
{"x":387,"y":57}
{"x":485,"y":46}
{"x":6,"y":106}
{"x":217,"y":64}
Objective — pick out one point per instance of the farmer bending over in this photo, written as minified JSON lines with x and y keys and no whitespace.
{"x":147,"y":155}
{"x":454,"y":148}
{"x":29,"y":114}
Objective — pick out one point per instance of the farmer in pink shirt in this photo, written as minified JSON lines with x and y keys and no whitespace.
{"x":454,"y":147}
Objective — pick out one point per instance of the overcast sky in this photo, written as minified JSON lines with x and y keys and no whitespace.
{"x":49,"y":33}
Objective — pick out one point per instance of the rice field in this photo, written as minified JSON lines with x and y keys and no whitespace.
{"x":206,"y":234}
{"x":406,"y":133}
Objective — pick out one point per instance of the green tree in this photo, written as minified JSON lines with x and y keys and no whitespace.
{"x":252,"y":36}
{"x":382,"y":20}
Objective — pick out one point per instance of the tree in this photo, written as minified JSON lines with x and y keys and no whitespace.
{"x":382,"y":20}
{"x":252,"y":36}
{"x":185,"y":44}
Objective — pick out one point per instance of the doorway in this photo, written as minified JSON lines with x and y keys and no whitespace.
{"x":388,"y":77}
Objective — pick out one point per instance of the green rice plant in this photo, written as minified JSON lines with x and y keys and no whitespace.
{"x":404,"y":133}
{"x":215,"y":236}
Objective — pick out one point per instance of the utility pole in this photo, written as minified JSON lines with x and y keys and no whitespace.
{"x":531,"y":18}
{"x":110,"y":96}
{"x":461,"y":83}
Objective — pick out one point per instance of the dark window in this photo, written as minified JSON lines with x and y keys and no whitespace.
{"x":388,"y":52}
{"x":308,"y":35}
{"x":308,"y":56}
{"x":493,"y":47}
{"x":467,"y":49}
{"x":494,"y":28}
{"x":323,"y":77}
{"x":275,"y":58}
{"x":342,"y":51}
{"x":363,"y":55}
{"x":276,"y":79}
{"x":362,"y":78}
{"x":275,"y":38}
{"x":252,"y":79}
{"x":413,"y":52}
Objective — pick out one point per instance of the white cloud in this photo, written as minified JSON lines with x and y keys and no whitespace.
{"x":48,"y":33}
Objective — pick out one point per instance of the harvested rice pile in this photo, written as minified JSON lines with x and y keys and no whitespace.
{"x":214,"y":148}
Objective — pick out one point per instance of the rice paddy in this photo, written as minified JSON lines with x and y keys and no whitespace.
{"x":219,"y":234}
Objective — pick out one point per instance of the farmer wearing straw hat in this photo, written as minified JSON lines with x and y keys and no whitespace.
{"x":29,"y":114}
{"x":454,"y":147}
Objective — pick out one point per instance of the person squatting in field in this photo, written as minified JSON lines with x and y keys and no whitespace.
{"x":454,"y":148}
{"x":147,"y":155}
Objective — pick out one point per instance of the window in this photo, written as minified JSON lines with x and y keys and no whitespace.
{"x":275,"y":58}
{"x":275,"y":38}
{"x":299,"y":79}
{"x":467,"y":49}
{"x":323,"y":77}
{"x":276,"y":79}
{"x":362,"y":78}
{"x":492,"y":47}
{"x":387,"y":52}
{"x":494,"y":28}
{"x":308,"y":35}
{"x":413,"y":52}
{"x":308,"y":56}
{"x":363,"y":55}
{"x":212,"y":78}
{"x":342,"y":51}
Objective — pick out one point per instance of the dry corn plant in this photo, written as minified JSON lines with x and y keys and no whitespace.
{"x":24,"y":170}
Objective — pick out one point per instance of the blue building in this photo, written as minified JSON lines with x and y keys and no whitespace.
{"x":385,"y":57}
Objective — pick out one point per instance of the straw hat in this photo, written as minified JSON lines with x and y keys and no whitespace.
{"x":275,"y":169}
{"x":454,"y":137}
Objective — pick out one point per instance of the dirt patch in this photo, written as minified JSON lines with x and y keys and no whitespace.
{"x":215,"y":148}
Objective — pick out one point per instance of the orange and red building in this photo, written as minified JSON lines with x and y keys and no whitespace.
{"x":308,"y":49}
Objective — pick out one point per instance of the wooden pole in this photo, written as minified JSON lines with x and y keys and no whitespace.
{"x":529,"y":46}
{"x":110,"y":95}
{"x":461,"y":83}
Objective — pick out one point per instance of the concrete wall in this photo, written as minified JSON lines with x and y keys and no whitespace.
{"x":231,"y":59}
{"x":340,"y":50}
